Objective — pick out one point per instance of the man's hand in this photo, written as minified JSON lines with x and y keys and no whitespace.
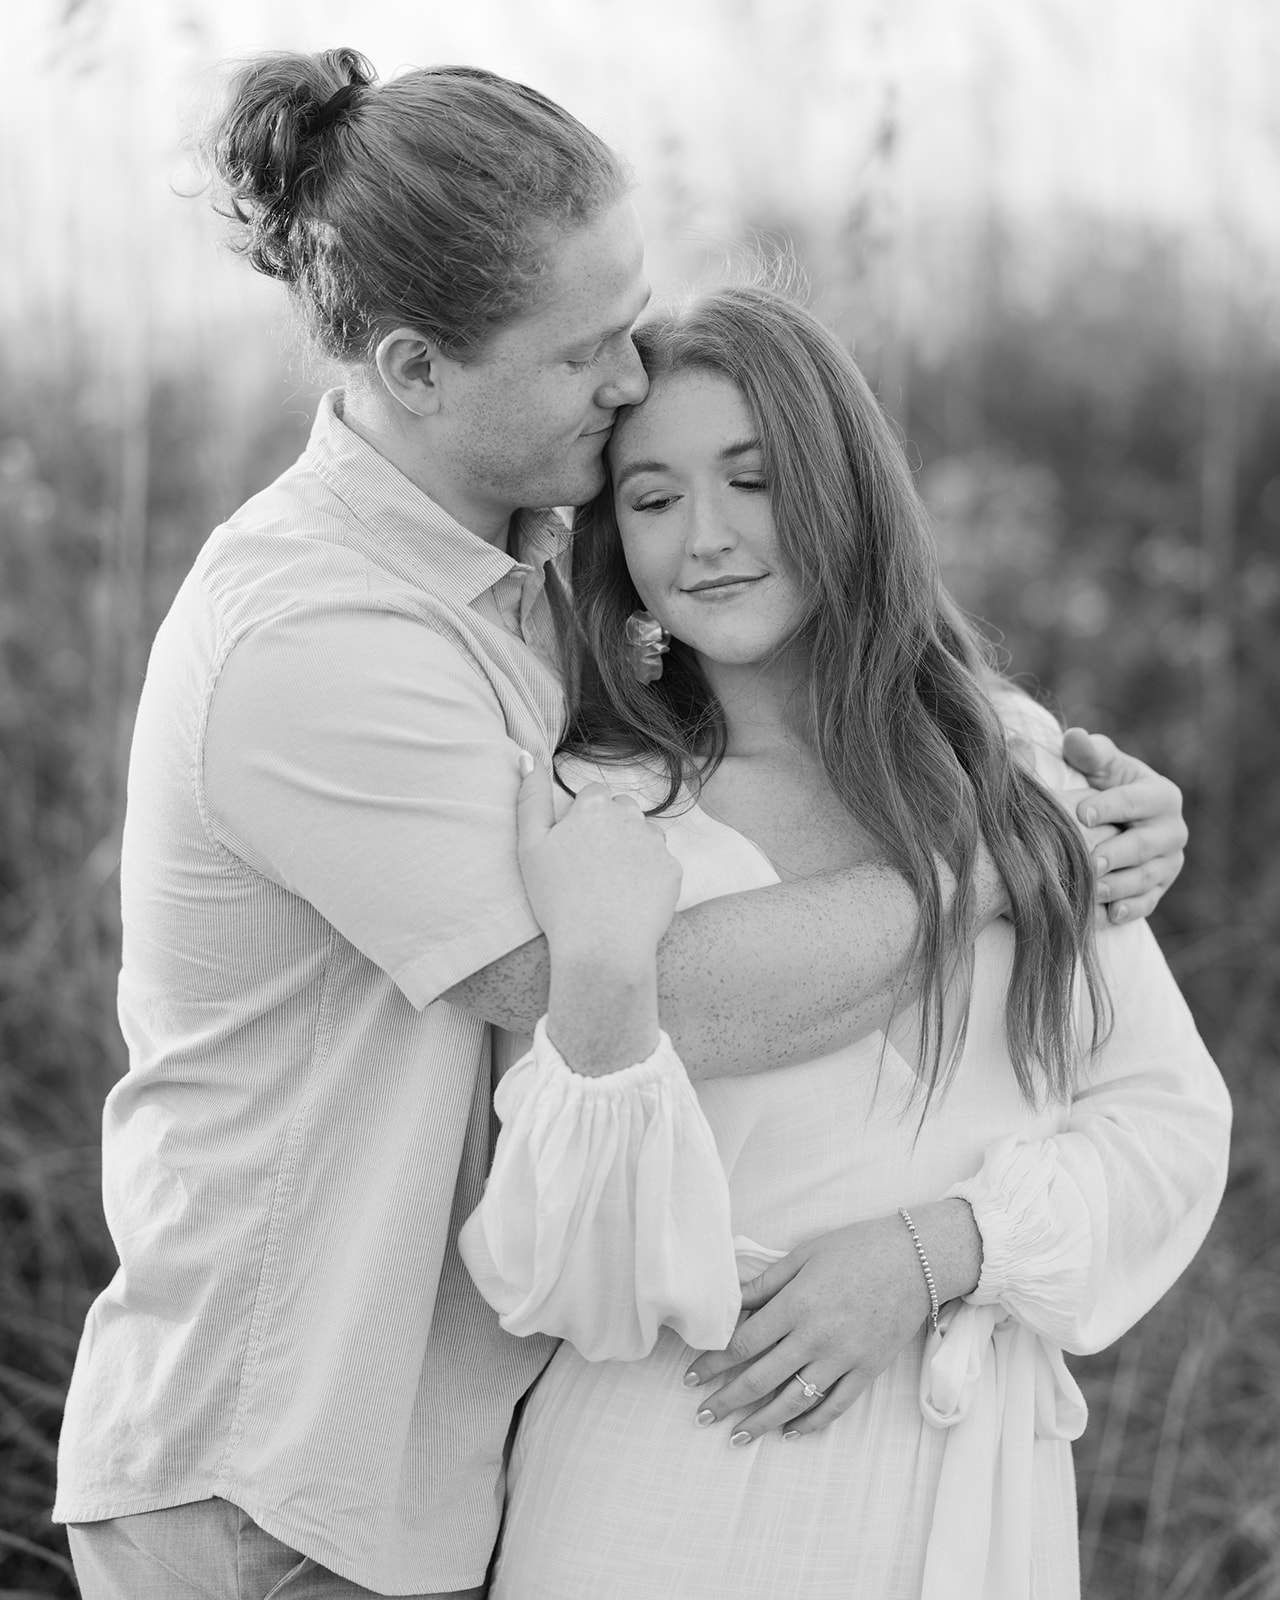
{"x":1138,"y":863}
{"x":836,"y":1311}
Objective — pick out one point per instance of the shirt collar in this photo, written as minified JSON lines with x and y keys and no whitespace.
{"x":406,"y":528}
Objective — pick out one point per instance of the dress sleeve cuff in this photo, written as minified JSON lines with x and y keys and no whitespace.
{"x":606,"y":1215}
{"x":1037,"y":1237}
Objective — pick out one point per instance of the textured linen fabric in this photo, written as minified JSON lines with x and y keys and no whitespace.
{"x":636,"y":1168}
{"x":320,"y":840}
{"x":204,"y":1548}
{"x":950,"y":1478}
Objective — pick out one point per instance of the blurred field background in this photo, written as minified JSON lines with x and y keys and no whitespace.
{"x":1052,"y":230}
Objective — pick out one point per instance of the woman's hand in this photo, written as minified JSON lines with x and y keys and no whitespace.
{"x":1136,"y":865}
{"x":603,"y":886}
{"x":836,"y":1311}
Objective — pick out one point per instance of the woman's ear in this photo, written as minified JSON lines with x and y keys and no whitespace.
{"x":411,"y":369}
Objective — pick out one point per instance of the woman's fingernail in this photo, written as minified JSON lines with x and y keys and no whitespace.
{"x":691,"y":1380}
{"x":1119,"y":913}
{"x":525,"y":763}
{"x":791,"y":1433}
{"x":741,"y":1438}
{"x":1104,"y":892}
{"x":704,"y":1419}
{"x":1090,"y":817}
{"x":1100,"y":864}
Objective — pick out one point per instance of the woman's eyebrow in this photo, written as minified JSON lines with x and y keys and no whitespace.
{"x":741,"y":447}
{"x":731,"y":452}
{"x":633,"y":469}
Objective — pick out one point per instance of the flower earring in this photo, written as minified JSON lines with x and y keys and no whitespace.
{"x":647,"y":642}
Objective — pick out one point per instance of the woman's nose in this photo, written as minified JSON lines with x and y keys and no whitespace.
{"x":707,"y":532}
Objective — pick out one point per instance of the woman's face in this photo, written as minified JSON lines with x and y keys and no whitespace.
{"x":692,"y":504}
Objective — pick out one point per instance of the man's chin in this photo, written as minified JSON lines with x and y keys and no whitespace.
{"x":575,"y":491}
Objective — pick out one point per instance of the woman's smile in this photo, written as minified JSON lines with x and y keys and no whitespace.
{"x":726,"y":588}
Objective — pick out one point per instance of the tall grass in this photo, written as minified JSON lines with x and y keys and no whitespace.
{"x":87,"y":566}
{"x":1179,"y":1471}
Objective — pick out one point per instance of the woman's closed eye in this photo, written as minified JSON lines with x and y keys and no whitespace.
{"x":659,"y":500}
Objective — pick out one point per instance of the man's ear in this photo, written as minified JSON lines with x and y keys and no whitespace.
{"x":411,"y":368}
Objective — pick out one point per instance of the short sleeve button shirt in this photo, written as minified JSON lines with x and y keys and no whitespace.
{"x":320,"y":841}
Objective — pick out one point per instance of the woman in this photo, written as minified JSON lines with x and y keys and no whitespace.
{"x":1023,"y":1164}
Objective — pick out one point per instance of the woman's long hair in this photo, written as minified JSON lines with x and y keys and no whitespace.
{"x":899,"y":684}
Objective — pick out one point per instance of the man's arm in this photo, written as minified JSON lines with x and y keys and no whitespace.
{"x":760,"y":979}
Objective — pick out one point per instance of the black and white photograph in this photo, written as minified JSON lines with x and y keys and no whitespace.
{"x":639,"y":903}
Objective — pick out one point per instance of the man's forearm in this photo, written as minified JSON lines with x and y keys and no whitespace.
{"x":753,"y":980}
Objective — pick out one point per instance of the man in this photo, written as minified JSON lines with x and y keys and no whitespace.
{"x":291,"y":1386}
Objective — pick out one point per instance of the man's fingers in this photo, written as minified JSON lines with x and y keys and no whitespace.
{"x":1117,"y":807}
{"x":535,"y":807}
{"x":1135,"y":909}
{"x":1133,"y":882}
{"x":1154,"y":800}
{"x":1089,"y":753}
{"x":1142,"y":846}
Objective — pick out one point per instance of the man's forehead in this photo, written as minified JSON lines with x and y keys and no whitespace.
{"x":597,"y":281}
{"x":598,"y":304}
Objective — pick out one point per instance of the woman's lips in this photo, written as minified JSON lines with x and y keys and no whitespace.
{"x":724,"y":586}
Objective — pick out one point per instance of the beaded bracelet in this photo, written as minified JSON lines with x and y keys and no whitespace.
{"x":924,"y":1262}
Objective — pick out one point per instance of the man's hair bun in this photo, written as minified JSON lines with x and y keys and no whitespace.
{"x":267,"y":149}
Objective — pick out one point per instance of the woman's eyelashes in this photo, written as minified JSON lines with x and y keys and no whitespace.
{"x":659,"y":500}
{"x":654,"y":502}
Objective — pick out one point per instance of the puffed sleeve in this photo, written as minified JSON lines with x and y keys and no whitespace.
{"x":606,"y":1214}
{"x":1084,"y":1231}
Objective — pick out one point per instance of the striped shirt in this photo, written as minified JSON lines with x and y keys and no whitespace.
{"x":320,"y":841}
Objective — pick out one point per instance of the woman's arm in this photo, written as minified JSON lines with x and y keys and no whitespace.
{"x":606,"y":1213}
{"x":1080,"y":1234}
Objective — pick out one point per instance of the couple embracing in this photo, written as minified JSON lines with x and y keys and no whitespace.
{"x":832,"y":1111}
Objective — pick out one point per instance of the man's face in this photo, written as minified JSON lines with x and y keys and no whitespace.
{"x":525,"y":422}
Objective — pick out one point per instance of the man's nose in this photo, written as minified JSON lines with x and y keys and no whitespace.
{"x":628,"y":383}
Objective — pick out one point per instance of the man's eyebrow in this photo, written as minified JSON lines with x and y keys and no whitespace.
{"x":591,"y":340}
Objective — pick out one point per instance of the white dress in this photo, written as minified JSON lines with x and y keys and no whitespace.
{"x":622,"y":1210}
